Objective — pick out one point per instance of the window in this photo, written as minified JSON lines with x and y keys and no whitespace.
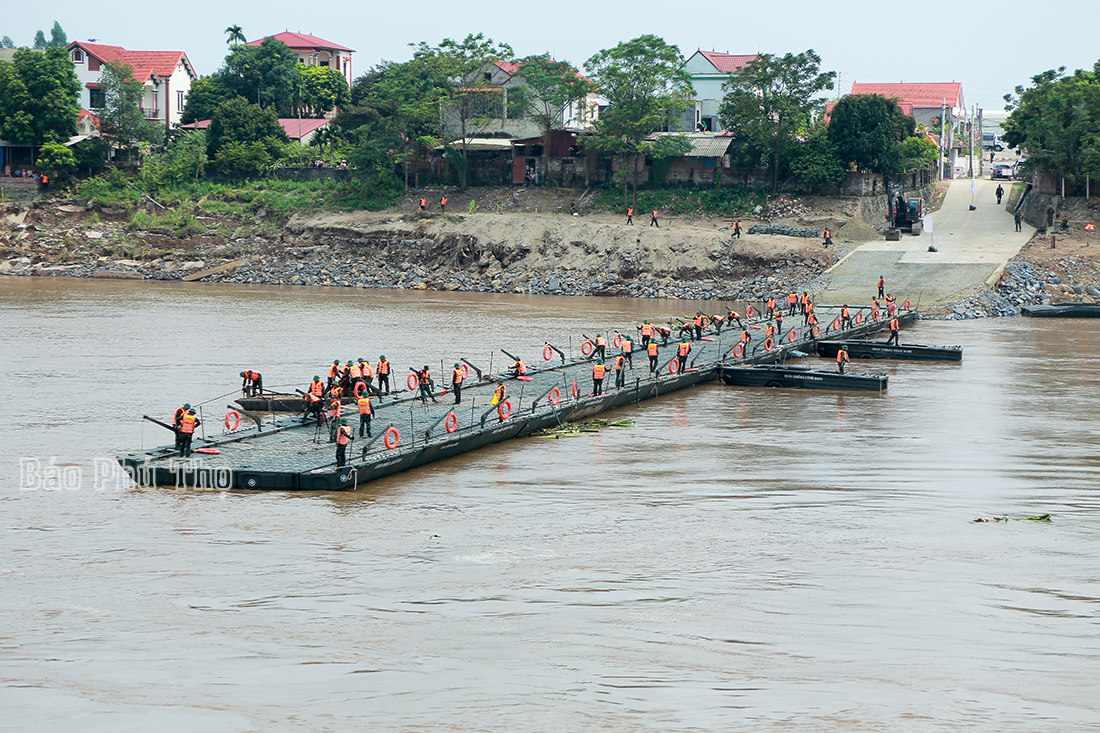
{"x":488,"y":76}
{"x":78,"y":56}
{"x":93,"y":63}
{"x":96,"y":99}
{"x":181,"y":100}
{"x":301,"y":60}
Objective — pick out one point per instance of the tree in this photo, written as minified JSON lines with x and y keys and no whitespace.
{"x":205,"y":96}
{"x":1057,"y":120}
{"x":918,"y":152}
{"x":265,"y":75}
{"x":121,"y":118}
{"x":463,"y":65}
{"x":40,"y":41}
{"x":56,"y":160}
{"x":183,"y":160}
{"x":646,"y":87}
{"x":234,"y":35}
{"x":815,"y":162}
{"x":771,"y":101}
{"x":39,"y":97}
{"x":58,"y":39}
{"x":6,"y":42}
{"x":323,"y":88}
{"x":237,"y":121}
{"x":867,"y":129}
{"x":553,"y":87}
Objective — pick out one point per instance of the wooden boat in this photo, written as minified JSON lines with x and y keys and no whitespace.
{"x":1063,"y":310}
{"x":799,"y":377}
{"x":883,"y":350}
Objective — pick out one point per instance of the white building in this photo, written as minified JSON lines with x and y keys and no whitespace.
{"x":709,"y":71}
{"x":166,"y":76}
{"x":314,"y":51}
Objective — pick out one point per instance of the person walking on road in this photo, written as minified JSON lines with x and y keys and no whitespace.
{"x":1050,"y":216}
{"x":737,"y":228}
{"x":828,"y":237}
{"x":1019,"y":220}
{"x":630,"y":215}
{"x":1000,"y":192}
{"x":653,"y":219}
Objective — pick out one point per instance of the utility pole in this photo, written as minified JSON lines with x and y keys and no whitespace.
{"x":970,"y":134}
{"x":945,"y":149}
{"x":981,"y":150}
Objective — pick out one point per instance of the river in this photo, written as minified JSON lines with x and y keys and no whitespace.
{"x":736,"y":560}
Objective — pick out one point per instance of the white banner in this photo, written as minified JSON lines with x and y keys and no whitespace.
{"x":973,"y":185}
{"x":928,"y":223}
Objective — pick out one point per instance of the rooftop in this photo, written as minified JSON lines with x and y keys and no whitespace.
{"x":918,"y":94}
{"x":162,"y":64}
{"x":727,"y":62}
{"x":303,"y":40}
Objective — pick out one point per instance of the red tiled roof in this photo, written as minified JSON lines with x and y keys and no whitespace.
{"x":290,"y":126}
{"x":144,"y":63}
{"x":508,"y":67}
{"x":303,"y":40}
{"x":85,"y":113}
{"x":906,"y":109}
{"x":726,"y":62}
{"x":918,"y":94}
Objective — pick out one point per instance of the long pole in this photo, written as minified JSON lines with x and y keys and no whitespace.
{"x":945,"y":149}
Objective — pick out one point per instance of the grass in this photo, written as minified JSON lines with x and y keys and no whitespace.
{"x":728,"y":200}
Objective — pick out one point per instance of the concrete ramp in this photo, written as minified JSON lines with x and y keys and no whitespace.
{"x":972,"y":248}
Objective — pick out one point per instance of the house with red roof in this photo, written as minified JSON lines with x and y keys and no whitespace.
{"x":709,"y":71}
{"x":166,"y":76}
{"x":924,"y":100}
{"x":314,"y":51}
{"x":301,"y":129}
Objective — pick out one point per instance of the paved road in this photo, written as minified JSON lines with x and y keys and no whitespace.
{"x":972,"y":247}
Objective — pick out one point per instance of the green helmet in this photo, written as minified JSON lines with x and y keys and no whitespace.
{"x":349,"y":363}
{"x":599,"y":361}
{"x":456,"y":365}
{"x":383,"y":356}
{"x":242,"y":374}
{"x":316,"y":378}
{"x":343,"y":421}
{"x":187,"y":405}
{"x":335,"y":361}
{"x":844,"y":346}
{"x":191,"y":411}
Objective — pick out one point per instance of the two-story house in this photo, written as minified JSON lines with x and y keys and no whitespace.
{"x":314,"y":51}
{"x":166,"y":76}
{"x":925,"y":101}
{"x":709,"y":70}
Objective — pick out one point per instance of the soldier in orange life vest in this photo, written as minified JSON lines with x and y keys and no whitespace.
{"x":364,"y":369}
{"x":682,"y":352}
{"x":188,"y":423}
{"x":737,"y":228}
{"x":500,"y":393}
{"x":874,"y":304}
{"x":769,"y":333}
{"x":597,"y":377}
{"x":845,"y":317}
{"x":745,"y":339}
{"x":792,"y":303}
{"x":333,"y":373}
{"x":519,"y":369}
{"x":177,"y":418}
{"x":383,"y":374}
{"x":771,"y":303}
{"x":335,"y":407}
{"x":443,"y":205}
{"x":894,"y":325}
{"x":732,"y":316}
{"x":881,"y":285}
{"x":890,"y":307}
{"x":652,"y":351}
{"x":628,"y":350}
{"x":828,"y":238}
{"x":803,"y":301}
{"x":664,"y":332}
{"x":343,"y":436}
{"x":811,"y":322}
{"x":648,"y":333}
{"x":365,"y":413}
{"x":456,"y":382}
{"x":779,"y":321}
{"x":717,"y":320}
{"x":424,"y":379}
{"x":653,"y":219}
{"x":423,"y":203}
{"x":630,"y":215}
{"x":355,"y":376}
{"x":620,"y":378}
{"x":807,"y":312}
{"x":601,"y":347}
{"x":697,"y":324}
{"x":314,"y":403}
{"x":253,"y":383}
{"x":842,"y":358}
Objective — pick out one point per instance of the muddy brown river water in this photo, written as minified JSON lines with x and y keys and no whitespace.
{"x":738,"y":560}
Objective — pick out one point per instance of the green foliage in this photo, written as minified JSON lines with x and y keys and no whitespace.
{"x":867,"y":129}
{"x":39,"y":97}
{"x":815,"y":162}
{"x":121,"y":118}
{"x":58,"y":39}
{"x":662,"y":151}
{"x":1057,"y":121}
{"x":40,"y":41}
{"x":728,"y":200}
{"x":247,"y":159}
{"x":266,"y":75}
{"x":238,"y":121}
{"x":6,"y":42}
{"x":553,"y":86}
{"x":56,"y":160}
{"x":918,"y":152}
{"x":205,"y":96}
{"x":771,"y":101}
{"x":323,"y":88}
{"x":184,"y":159}
{"x":90,"y":153}
{"x":234,"y":35}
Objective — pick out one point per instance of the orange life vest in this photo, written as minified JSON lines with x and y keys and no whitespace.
{"x":745,"y":337}
{"x":333,"y":372}
{"x":500,"y":393}
{"x":844,"y":312}
{"x":628,"y":346}
{"x":520,"y":367}
{"x":343,"y":435}
{"x":443,"y":200}
{"x":881,"y":282}
{"x":841,"y":356}
{"x":423,"y":203}
{"x":424,"y":377}
{"x":683,"y":349}
{"x":364,"y":369}
{"x":894,"y":324}
{"x":456,"y":376}
{"x":356,"y":372}
{"x":180,"y":412}
{"x":652,"y":348}
{"x":619,"y":361}
{"x":698,"y":320}
{"x":792,"y":299}
{"x":334,"y":408}
{"x":598,"y":371}
{"x":770,"y":331}
{"x":383,"y":367}
{"x":601,"y":341}
{"x":187,"y":423}
{"x":364,"y":406}
{"x":316,"y":388}
{"x":771,"y":304}
{"x":647,"y":330}
{"x":812,"y":320}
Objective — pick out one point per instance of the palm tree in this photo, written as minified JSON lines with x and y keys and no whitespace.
{"x":234,"y":35}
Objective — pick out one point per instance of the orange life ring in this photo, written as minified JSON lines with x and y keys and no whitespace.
{"x":890,"y":309}
{"x":465,"y":371}
{"x":587,"y":345}
{"x":738,"y":351}
{"x":907,"y":305}
{"x":769,"y":344}
{"x":791,"y":336}
{"x":874,"y":314}
{"x":859,"y":317}
{"x":750,"y":311}
{"x":504,"y":414}
{"x":236,"y":417}
{"x":617,"y":342}
{"x":836,"y":324}
{"x":451,"y":423}
{"x":391,"y":432}
{"x":674,"y":366}
{"x":360,"y":388}
{"x":554,"y":396}
{"x":576,"y":391}
{"x":706,"y":322}
{"x":412,"y":381}
{"x":547,"y":353}
{"x":816,"y":331}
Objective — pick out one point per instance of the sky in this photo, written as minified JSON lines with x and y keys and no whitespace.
{"x":1003,"y":44}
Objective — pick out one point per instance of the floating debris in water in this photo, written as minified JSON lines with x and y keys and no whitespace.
{"x":1036,"y":518}
{"x":577,"y":428}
